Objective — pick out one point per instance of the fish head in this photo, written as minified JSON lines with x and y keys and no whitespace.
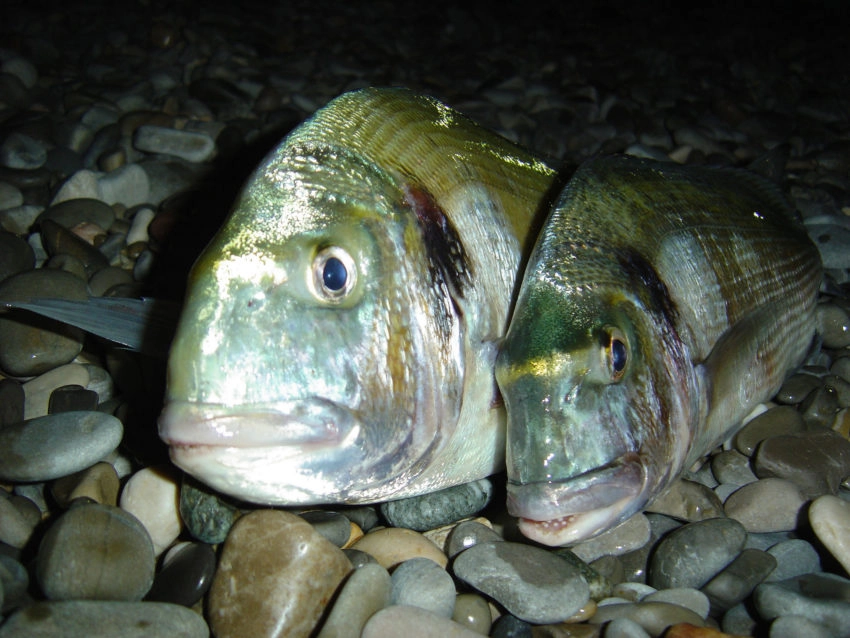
{"x":303,"y":368}
{"x":589,"y":375}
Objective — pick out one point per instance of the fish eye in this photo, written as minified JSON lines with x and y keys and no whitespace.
{"x":334,"y":274}
{"x":616,"y":353}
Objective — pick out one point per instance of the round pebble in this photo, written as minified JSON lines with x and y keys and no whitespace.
{"x":432,"y":510}
{"x":830,"y":520}
{"x":422,"y":583}
{"x":414,"y":622}
{"x":95,"y":552}
{"x":332,"y":525}
{"x":774,"y":422}
{"x":37,"y":391}
{"x":15,"y":255}
{"x":794,"y":557}
{"x":98,"y":483}
{"x":207,"y":516}
{"x":821,"y":598}
{"x":187,"y":145}
{"x":768,"y":505}
{"x":365,"y":592}
{"x":152,"y":496}
{"x":532,"y":584}
{"x":473,"y":612}
{"x":467,"y":534}
{"x":629,"y":535}
{"x":688,"y":501}
{"x":692,"y":599}
{"x":185,"y":578}
{"x":738,"y":579}
{"x":393,"y":545}
{"x":73,"y":212}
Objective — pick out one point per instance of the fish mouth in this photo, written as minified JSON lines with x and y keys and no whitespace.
{"x":558,"y":513}
{"x":313,"y":421}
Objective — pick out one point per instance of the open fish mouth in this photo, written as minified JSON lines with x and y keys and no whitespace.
{"x":308,"y":422}
{"x":565,"y":512}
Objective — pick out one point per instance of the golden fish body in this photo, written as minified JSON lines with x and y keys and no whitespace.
{"x":337,"y":342}
{"x":660,"y":305}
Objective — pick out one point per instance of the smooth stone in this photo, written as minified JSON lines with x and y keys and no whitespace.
{"x":256,"y":592}
{"x":632,"y":592}
{"x":533,"y":584}
{"x":473,"y":612}
{"x":413,"y":622}
{"x":842,"y":391}
{"x":71,"y":398}
{"x":74,"y":212}
{"x":53,"y":446}
{"x":822,"y":598}
{"x":688,"y":501}
{"x":81,"y":185}
{"x":186,"y":577}
{"x":104,"y":619}
{"x":29,"y":344}
{"x":841,"y":367}
{"x":730,"y":466}
{"x":738,"y":621}
{"x":365,"y":592}
{"x":128,"y":185}
{"x":332,"y":525}
{"x":768,"y":505}
{"x":207,"y":515}
{"x":98,"y":483}
{"x":20,"y":151}
{"x":738,"y":579}
{"x":95,"y":552}
{"x":10,"y":196}
{"x":834,"y":324}
{"x":794,"y":557}
{"x":357,"y":558}
{"x":778,"y":420}
{"x":393,"y":545}
{"x":691,"y":555}
{"x":187,"y":145}
{"x":61,"y":241}
{"x":152,"y":495}
{"x":624,"y":628}
{"x":832,"y":241}
{"x":816,"y":461}
{"x":16,"y":255}
{"x":138,"y":231}
{"x":629,"y":535}
{"x":820,"y":407}
{"x":421,"y":513}
{"x":797,"y":387}
{"x":467,"y":534}
{"x":16,"y":527}
{"x":365,"y":517}
{"x":420,"y":582}
{"x":829,"y":517}
{"x":507,"y":626}
{"x":37,"y":391}
{"x":600,"y":586}
{"x":12,"y":400}
{"x":692,"y":599}
{"x":21,"y":68}
{"x":654,"y":617}
{"x":14,"y":583}
{"x":798,"y":626}
{"x":20,"y":219}
{"x":107,"y":278}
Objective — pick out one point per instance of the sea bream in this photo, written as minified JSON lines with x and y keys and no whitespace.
{"x":338,"y":338}
{"x":660,"y":305}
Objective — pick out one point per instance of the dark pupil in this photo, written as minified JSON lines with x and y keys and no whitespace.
{"x":334,"y":274}
{"x":618,"y":355}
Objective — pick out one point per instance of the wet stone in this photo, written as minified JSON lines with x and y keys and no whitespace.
{"x":420,"y":582}
{"x":738,"y":621}
{"x":71,"y":398}
{"x":99,"y":483}
{"x":624,"y":628}
{"x":185,"y":578}
{"x":333,"y":526}
{"x":473,"y":612}
{"x":628,"y":536}
{"x":691,"y":555}
{"x":73,"y":212}
{"x":600,"y":586}
{"x":208,"y":516}
{"x":152,"y":496}
{"x":730,"y":466}
{"x":822,"y":598}
{"x":30,"y":345}
{"x":835,"y":326}
{"x":794,"y":557}
{"x":531,"y":583}
{"x":820,"y":407}
{"x":738,"y":579}
{"x":768,"y":505}
{"x":57,"y":445}
{"x":798,"y":626}
{"x":366,"y":591}
{"x":830,"y":520}
{"x":467,"y":534}
{"x":61,"y":241}
{"x":357,"y":558}
{"x":16,"y":527}
{"x":14,"y":583}
{"x":10,"y":196}
{"x":797,"y":387}
{"x":393,"y":545}
{"x":508,"y":626}
{"x":37,"y":391}
{"x":415,"y":622}
{"x":104,"y":619}
{"x":688,"y":501}
{"x":11,"y":402}
{"x":654,"y":617}
{"x":95,"y":552}
{"x":439,"y":508}
{"x":692,"y":599}
{"x":817,"y":461}
{"x":260,"y":593}
{"x":16,"y":255}
{"x":188,"y":145}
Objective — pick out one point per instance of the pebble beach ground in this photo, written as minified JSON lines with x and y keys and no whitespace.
{"x":125,"y":132}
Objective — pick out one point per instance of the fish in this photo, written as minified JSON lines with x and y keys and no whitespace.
{"x":660,"y":305}
{"x":339,"y":333}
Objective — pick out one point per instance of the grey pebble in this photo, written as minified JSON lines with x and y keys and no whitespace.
{"x":14,"y":582}
{"x":730,"y":466}
{"x":56,"y":445}
{"x":104,"y":619}
{"x":58,"y":240}
{"x":600,"y":586}
{"x":186,"y":577}
{"x":833,"y":243}
{"x":820,"y":407}
{"x":797,"y":387}
{"x":359,"y":558}
{"x":366,"y":591}
{"x":738,"y":621}
{"x":689,"y":501}
{"x":12,"y":398}
{"x":16,"y":255}
{"x":794,"y":557}
{"x":508,"y":626}
{"x":798,"y":626}
{"x":775,"y":421}
{"x":768,"y":505}
{"x":691,"y":555}
{"x":188,"y":145}
{"x":629,"y":535}
{"x":420,"y":582}
{"x":654,"y":617}
{"x":332,"y":525}
{"x":10,"y":196}
{"x":469,"y":533}
{"x":20,"y":151}
{"x":72,"y":212}
{"x":95,"y":552}
{"x":421,"y":513}
{"x":531,"y":583}
{"x":738,"y":579}
{"x":15,"y":527}
{"x":625,"y":628}
{"x":473,"y":612}
{"x":19,"y":220}
{"x":687,"y":597}
{"x":822,"y":598}
{"x":128,"y":185}
{"x":834,"y":324}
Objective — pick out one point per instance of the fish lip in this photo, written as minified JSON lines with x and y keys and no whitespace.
{"x":313,"y":421}
{"x":580,"y":507}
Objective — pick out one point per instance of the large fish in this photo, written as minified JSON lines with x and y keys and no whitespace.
{"x":659,"y":306}
{"x":338,"y":339}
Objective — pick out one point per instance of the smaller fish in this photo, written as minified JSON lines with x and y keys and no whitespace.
{"x":660,"y":305}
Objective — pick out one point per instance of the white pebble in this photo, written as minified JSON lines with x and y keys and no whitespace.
{"x":153,"y":496}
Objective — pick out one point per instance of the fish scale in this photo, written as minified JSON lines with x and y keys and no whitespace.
{"x":659,"y":306}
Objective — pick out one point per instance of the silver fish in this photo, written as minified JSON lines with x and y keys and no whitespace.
{"x":660,"y":305}
{"x":338,"y":339}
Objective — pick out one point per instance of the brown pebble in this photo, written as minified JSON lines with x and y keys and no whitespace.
{"x":99,"y":483}
{"x":393,"y":545}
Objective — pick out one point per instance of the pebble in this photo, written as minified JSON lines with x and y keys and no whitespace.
{"x":531,"y":583}
{"x":473,"y":612}
{"x":104,"y":619}
{"x":73,"y":212}
{"x":413,"y":622}
{"x":730,"y":466}
{"x":186,"y":577}
{"x":14,"y":584}
{"x":10,"y":196}
{"x":95,"y":552}
{"x":365,"y":592}
{"x":797,"y":626}
{"x":829,"y":517}
{"x":15,"y":255}
{"x":689,"y":501}
{"x":37,"y":391}
{"x":152,"y":496}
{"x":738,"y":579}
{"x":835,"y":326}
{"x":629,"y":535}
{"x":421,"y":513}
{"x":22,"y":152}
{"x":208,"y":517}
{"x":53,"y":446}
{"x":15,"y":527}
{"x":768,"y":505}
{"x":821,"y":598}
{"x":654,"y":617}
{"x":11,"y":402}
{"x":469,"y":533}
{"x":260,"y":593}
{"x":421,"y":582}
{"x":393,"y":545}
{"x":31,"y":346}
{"x":794,"y":557}
{"x":332,"y":525}
{"x":624,"y":628}
{"x":187,"y":145}
{"x":716,"y":542}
